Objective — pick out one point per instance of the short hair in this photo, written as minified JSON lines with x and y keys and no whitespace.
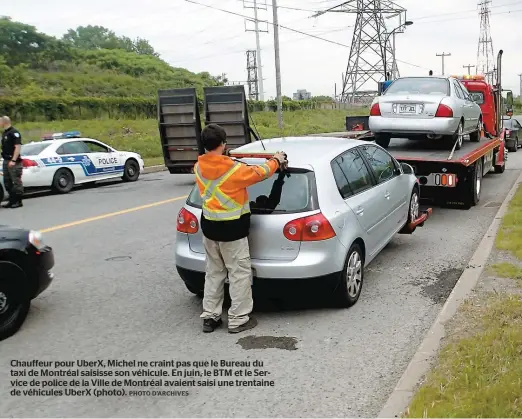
{"x":213,"y":136}
{"x":6,"y":119}
{"x":431,"y":72}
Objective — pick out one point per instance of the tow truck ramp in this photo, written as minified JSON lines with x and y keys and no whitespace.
{"x":179,"y":120}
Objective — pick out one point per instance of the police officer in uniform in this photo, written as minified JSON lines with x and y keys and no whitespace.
{"x":12,"y":166}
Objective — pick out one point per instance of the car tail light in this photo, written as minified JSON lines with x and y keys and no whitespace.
{"x":444,"y":111}
{"x":187,"y":222}
{"x":375,"y":110}
{"x":508,"y":133}
{"x":29,"y":163}
{"x":312,"y":228}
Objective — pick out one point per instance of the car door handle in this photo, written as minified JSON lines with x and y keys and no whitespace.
{"x":387,"y":195}
{"x":359,"y":211}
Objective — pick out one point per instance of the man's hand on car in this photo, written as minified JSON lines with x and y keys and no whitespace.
{"x":281,"y":158}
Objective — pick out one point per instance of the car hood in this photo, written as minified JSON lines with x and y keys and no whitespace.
{"x":8,"y":233}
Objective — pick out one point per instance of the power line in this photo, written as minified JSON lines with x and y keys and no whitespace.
{"x":464,"y":11}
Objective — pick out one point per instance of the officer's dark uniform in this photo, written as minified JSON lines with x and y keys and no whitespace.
{"x":12,"y":175}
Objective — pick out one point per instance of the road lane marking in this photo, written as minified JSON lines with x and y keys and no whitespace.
{"x":111,"y":214}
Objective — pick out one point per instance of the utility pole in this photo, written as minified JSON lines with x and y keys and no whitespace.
{"x":469,"y":67}
{"x":520,"y":97}
{"x":443,"y":55}
{"x":277,"y":66}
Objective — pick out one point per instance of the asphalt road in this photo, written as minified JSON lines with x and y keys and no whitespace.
{"x":117,"y":296}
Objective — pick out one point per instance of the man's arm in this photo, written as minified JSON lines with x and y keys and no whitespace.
{"x":17,"y":141}
{"x":247,"y":175}
{"x":16,"y":153}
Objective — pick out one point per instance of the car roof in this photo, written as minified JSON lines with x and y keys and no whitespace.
{"x":61,"y":141}
{"x":302,"y":151}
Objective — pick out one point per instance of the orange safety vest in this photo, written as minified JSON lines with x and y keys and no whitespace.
{"x":226,"y":198}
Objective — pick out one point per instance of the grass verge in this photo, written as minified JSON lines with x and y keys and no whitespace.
{"x":479,"y":376}
{"x":479,"y":371}
{"x":142,"y":136}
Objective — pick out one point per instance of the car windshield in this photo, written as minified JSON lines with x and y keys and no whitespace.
{"x":277,"y":194}
{"x":419,"y":85}
{"x":478,"y":97}
{"x":33,"y":149}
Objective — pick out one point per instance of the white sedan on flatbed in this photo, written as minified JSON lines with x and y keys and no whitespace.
{"x":62,"y":163}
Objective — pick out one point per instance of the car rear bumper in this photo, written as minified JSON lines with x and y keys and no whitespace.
{"x":315,"y":259}
{"x":510,"y":142}
{"x":41,"y":262}
{"x":427,"y":126}
{"x":271,"y":287}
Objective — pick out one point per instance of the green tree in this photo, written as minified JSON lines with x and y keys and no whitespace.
{"x":21,"y":43}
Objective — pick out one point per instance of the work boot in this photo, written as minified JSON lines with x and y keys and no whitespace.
{"x":9,"y":203}
{"x":250,"y":324}
{"x":209,"y":325}
{"x":17,"y":204}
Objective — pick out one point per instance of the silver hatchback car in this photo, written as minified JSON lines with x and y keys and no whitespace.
{"x":436,"y":107}
{"x":338,"y":205}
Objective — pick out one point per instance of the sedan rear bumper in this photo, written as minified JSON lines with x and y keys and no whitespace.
{"x":271,"y":287}
{"x":404,"y":126}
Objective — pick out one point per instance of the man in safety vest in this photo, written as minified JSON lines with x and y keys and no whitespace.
{"x":225,"y":223}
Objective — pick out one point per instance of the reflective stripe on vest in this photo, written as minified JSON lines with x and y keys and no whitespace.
{"x":231,"y":210}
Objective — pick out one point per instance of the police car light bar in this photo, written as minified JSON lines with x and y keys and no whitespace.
{"x":62,"y":135}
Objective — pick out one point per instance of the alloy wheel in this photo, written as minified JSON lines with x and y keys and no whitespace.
{"x":414,"y":206}
{"x":354,"y":274}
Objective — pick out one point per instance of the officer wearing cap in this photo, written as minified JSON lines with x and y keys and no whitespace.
{"x":12,"y":166}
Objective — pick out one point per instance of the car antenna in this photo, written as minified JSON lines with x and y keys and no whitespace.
{"x":256,"y":133}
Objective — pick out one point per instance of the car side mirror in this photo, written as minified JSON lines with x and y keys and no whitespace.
{"x":407,"y":169}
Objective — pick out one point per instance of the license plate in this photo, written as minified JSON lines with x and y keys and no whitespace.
{"x":407,"y":108}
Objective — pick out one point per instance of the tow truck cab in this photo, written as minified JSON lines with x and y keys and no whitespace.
{"x":484,"y":95}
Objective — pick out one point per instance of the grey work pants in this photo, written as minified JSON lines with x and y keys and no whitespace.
{"x":13,"y":180}
{"x":230,"y":259}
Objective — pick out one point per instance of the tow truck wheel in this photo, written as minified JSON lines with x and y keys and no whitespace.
{"x":382,"y":140}
{"x":13,"y":307}
{"x":474,"y":185}
{"x":349,"y":290}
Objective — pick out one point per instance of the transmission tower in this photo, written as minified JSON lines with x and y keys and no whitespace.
{"x":257,"y":5}
{"x":371,"y":54}
{"x":485,"y":54}
{"x":252,"y":80}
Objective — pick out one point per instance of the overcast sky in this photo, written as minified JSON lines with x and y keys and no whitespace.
{"x":201,"y":39}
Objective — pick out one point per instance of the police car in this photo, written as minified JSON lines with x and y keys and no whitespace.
{"x":62,"y":160}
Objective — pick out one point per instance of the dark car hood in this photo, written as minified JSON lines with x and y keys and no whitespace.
{"x":8,"y":233}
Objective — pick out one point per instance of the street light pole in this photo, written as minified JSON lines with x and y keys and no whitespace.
{"x":407,"y":23}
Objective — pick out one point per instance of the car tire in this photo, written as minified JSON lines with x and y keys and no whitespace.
{"x":476,"y":135}
{"x":131,"y":171}
{"x":2,"y":193}
{"x":63,"y":181}
{"x":382,"y":140}
{"x":457,"y":137}
{"x":195,"y":291}
{"x":514,"y":149}
{"x":13,"y":306}
{"x":414,"y":207}
{"x":352,"y":277}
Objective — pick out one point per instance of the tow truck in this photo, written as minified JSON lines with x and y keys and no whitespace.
{"x":455,"y":178}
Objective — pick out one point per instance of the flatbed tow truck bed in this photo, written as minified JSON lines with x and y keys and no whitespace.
{"x":447,"y":177}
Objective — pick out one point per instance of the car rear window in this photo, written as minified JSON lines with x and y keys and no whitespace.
{"x":33,"y":149}
{"x":419,"y":85}
{"x":297,"y":193}
{"x":478,"y":97}
{"x":508,"y":123}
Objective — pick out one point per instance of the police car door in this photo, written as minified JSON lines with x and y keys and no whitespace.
{"x":107,"y":163}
